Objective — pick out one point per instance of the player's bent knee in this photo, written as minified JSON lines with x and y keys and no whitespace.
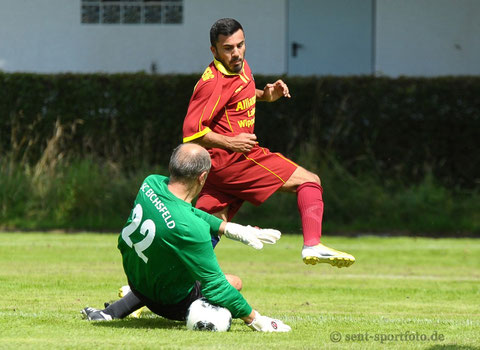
{"x":299,"y":177}
{"x":312,"y":177}
{"x":235,"y":281}
{"x":316,"y":179}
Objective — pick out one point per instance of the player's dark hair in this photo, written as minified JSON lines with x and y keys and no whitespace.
{"x":224,"y":26}
{"x":186,"y":165}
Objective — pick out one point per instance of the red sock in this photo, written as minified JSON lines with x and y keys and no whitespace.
{"x":310,"y":206}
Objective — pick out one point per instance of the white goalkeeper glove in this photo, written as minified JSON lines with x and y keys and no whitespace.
{"x":251,"y":236}
{"x":266,"y":324}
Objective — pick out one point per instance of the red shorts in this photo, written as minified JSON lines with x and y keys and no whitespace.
{"x":253,"y":177}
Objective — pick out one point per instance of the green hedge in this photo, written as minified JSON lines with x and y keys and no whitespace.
{"x":398,"y":128}
{"x":128,"y":119}
{"x":402,"y":128}
{"x":90,"y":195}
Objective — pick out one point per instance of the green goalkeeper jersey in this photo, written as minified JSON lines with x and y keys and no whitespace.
{"x":166,"y":247}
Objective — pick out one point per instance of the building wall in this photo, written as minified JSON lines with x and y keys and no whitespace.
{"x":427,"y":37}
{"x":47,"y":36}
{"x":411,"y":37}
{"x":333,"y":37}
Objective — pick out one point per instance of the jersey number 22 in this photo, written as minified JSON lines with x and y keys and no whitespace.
{"x":146,"y":229}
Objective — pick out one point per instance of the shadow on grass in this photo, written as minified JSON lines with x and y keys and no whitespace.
{"x":154,"y":322}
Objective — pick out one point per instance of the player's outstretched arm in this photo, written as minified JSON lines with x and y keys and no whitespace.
{"x":272,"y":92}
{"x":261,"y":323}
{"x":252,"y":236}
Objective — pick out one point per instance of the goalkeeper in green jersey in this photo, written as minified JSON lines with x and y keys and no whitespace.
{"x":167,"y":252}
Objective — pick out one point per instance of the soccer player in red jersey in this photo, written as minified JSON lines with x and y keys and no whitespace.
{"x":221,"y":118}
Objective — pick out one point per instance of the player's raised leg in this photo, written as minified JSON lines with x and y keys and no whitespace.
{"x":309,"y":191}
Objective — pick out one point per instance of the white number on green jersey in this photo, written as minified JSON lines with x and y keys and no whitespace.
{"x":146,"y":229}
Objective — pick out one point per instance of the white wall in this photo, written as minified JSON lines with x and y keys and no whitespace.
{"x":412,"y":37}
{"x":428,"y":37}
{"x":264,"y":22}
{"x":47,"y":36}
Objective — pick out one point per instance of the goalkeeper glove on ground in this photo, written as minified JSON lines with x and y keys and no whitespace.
{"x":266,"y":324}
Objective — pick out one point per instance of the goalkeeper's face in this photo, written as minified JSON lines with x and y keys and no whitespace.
{"x":230,"y":50}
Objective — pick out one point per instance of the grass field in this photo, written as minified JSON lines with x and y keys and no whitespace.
{"x":401,"y":293}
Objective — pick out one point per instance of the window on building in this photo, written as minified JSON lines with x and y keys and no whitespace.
{"x":132,"y":11}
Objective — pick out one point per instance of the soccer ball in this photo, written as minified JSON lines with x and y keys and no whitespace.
{"x":203,"y":316}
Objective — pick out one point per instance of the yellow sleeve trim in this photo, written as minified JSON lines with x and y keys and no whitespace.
{"x":228,"y":120}
{"x":197,"y":135}
{"x":214,"y":107}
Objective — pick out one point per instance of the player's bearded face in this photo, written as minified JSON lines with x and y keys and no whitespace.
{"x":230,"y":50}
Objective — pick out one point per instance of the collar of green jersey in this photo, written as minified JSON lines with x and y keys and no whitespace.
{"x":219,"y":65}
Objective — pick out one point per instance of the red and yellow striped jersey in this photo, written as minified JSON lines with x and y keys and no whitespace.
{"x":223,"y":102}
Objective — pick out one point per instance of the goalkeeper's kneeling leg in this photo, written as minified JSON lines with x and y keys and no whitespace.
{"x":235,"y":281}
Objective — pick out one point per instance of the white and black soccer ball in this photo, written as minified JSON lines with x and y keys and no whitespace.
{"x":203,"y":316}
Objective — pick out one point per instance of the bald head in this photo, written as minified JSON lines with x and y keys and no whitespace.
{"x":188,"y":162}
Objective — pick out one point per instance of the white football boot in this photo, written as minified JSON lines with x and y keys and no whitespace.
{"x":319,"y":253}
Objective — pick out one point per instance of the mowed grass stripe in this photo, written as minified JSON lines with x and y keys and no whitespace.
{"x":397,"y":286}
